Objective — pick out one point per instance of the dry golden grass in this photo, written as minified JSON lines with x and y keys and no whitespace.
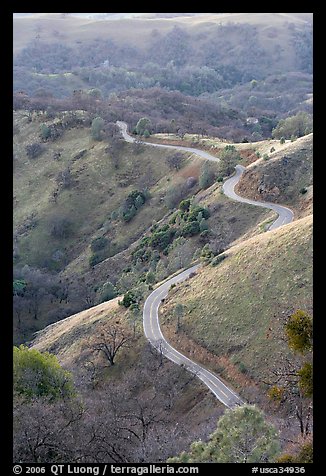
{"x":138,"y":30}
{"x":97,"y":190}
{"x":230,"y":308}
{"x":282,"y":177}
{"x":68,"y":338}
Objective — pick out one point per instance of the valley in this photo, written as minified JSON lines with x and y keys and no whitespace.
{"x":163,"y":232}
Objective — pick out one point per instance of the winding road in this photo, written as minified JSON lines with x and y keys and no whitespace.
{"x":151,"y":323}
{"x":285,"y":215}
{"x":205,"y":155}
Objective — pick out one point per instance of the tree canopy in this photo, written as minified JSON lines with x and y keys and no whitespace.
{"x":242,"y":436}
{"x":293,"y":126}
{"x":39,"y":374}
{"x":299,"y":331}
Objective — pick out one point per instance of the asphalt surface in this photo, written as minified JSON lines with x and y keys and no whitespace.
{"x":205,"y":155}
{"x":151,"y":322}
{"x":154,"y":335}
{"x":285,"y":215}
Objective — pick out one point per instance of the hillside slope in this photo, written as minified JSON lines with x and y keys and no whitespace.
{"x":286,"y":177}
{"x":69,"y":199}
{"x":233,"y":313}
{"x":139,"y":389}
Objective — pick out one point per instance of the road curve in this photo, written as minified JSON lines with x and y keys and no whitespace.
{"x":205,"y":155}
{"x":285,"y":215}
{"x":154,"y":334}
{"x":151,"y":323}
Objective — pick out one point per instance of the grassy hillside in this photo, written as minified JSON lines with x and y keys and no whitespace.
{"x":97,"y":188}
{"x":277,"y":172}
{"x":234,"y":311}
{"x":56,"y":226}
{"x":286,"y":177}
{"x":73,"y":28}
{"x":239,"y":61}
{"x":165,"y":396}
{"x":215,"y":144}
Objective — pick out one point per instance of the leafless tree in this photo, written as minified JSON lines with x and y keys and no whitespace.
{"x":175,"y":161}
{"x":47,"y":431}
{"x":64,"y":178}
{"x":284,"y":377}
{"x":111,"y":341}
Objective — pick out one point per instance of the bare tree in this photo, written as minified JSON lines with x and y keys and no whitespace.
{"x":111,"y":341}
{"x":285,"y":389}
{"x":114,"y":149}
{"x":47,"y":431}
{"x":34,"y":150}
{"x":283,"y":381}
{"x":175,"y":161}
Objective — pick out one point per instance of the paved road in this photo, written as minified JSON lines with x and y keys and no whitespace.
{"x":154,"y":335}
{"x":205,"y":155}
{"x":285,"y":215}
{"x":151,"y":323}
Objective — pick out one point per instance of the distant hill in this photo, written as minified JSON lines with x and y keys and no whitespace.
{"x":239,"y":60}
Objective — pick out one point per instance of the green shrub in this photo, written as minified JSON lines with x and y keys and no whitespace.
{"x":146,"y":134}
{"x":190,"y":229}
{"x":194,"y":211}
{"x":150,"y":277}
{"x":184,"y":205}
{"x":129,"y":214}
{"x":107,"y":292}
{"x":217,"y":260}
{"x":203,"y":225}
{"x":299,"y":331}
{"x":306,"y":379}
{"x":45,"y":132}
{"x":94,"y":259}
{"x":162,"y":237}
{"x":206,"y":254}
{"x":207,"y":175}
{"x":39,"y":374}
{"x":293,"y":127}
{"x":97,"y":127}
{"x":132,"y":204}
{"x":128,"y":299}
{"x":286,"y":458}
{"x":243,"y":369}
{"x":114,"y":215}
{"x":306,"y":453}
{"x":19,"y":286}
{"x":99,"y":243}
